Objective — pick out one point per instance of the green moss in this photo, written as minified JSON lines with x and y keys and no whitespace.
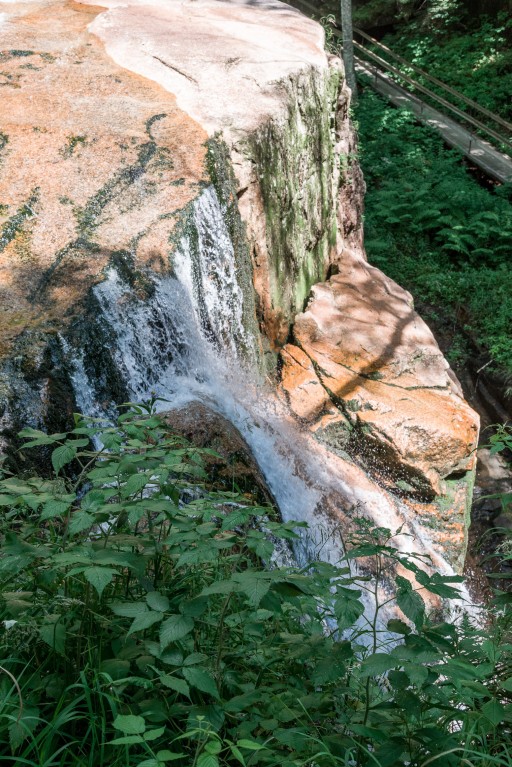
{"x":297,"y":167}
{"x":72,"y":143}
{"x":337,"y":437}
{"x":14,"y":225}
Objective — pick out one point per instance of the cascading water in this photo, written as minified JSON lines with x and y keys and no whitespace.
{"x":187,"y":341}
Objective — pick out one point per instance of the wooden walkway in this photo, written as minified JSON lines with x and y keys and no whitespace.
{"x":486,"y":153}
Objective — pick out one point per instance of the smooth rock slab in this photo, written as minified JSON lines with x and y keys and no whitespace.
{"x":93,"y":162}
{"x":361,"y":346}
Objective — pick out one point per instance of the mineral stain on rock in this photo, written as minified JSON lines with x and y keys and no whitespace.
{"x":96,"y":135}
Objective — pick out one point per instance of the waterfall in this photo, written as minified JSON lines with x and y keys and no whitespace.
{"x":186,"y":341}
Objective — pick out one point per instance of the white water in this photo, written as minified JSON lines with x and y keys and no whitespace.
{"x":183,"y":344}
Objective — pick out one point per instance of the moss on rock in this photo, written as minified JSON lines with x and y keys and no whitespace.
{"x":298,"y":171}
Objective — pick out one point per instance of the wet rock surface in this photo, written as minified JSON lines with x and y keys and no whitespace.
{"x":234,"y":467}
{"x":93,"y":164}
{"x":106,"y":143}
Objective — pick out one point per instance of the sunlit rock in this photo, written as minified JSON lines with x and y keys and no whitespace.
{"x":361,"y":347}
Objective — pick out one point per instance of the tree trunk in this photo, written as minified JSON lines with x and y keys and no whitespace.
{"x":348,"y":45}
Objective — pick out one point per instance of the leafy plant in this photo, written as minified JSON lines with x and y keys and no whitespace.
{"x":472,"y":55}
{"x":147,"y":621}
{"x":434,"y":229}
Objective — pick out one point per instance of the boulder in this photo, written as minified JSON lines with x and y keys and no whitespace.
{"x":234,"y":465}
{"x":360,"y":346}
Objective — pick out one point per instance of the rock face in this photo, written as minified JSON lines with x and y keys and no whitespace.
{"x":108,"y":126}
{"x":364,"y":361}
{"x":284,"y":118}
{"x":235,"y":467}
{"x":177,"y":187}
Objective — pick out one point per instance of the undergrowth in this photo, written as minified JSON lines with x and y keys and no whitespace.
{"x":147,"y":621}
{"x":471,"y":54}
{"x":430,"y":226}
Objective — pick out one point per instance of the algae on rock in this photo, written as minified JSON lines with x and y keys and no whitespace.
{"x":299,"y":173}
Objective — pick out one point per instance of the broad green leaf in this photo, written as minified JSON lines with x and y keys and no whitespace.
{"x":255,"y":589}
{"x":416,"y":673}
{"x":220,"y":587}
{"x":28,"y":432}
{"x":100,"y":577}
{"x":174,"y":628}
{"x":168,"y":756}
{"x":378,"y":664}
{"x":207,"y":760}
{"x":54,"y":634}
{"x":154,"y":734}
{"x":53,"y":509}
{"x":201,"y":679}
{"x":251,"y":745}
{"x":410,"y":602}
{"x":178,"y":685}
{"x":115,"y":668}
{"x":127,"y":740}
{"x":398,"y":627}
{"x":494,"y":711}
{"x":157,"y":601}
{"x":80,"y":521}
{"x":144,"y":621}
{"x":20,"y":729}
{"x":128,"y":609}
{"x":348,"y":609}
{"x":130,"y":724}
{"x":61,"y":456}
{"x":135,"y":483}
{"x":388,"y":754}
{"x":195,"y":607}
{"x":236,"y":518}
{"x":237,"y":754}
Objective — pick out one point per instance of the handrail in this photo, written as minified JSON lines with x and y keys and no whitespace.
{"x":431,"y":94}
{"x":473,"y":104}
{"x":446,"y":104}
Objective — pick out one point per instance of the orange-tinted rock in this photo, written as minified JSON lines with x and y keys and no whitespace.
{"x":86,"y":145}
{"x":361,"y":341}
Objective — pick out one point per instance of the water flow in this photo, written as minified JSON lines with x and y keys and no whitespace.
{"x":187,"y":342}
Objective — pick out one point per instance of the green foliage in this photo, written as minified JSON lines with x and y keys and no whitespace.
{"x":141,"y":627}
{"x":474,"y":56}
{"x":433,"y":228}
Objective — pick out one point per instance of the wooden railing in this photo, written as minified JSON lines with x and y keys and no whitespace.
{"x":500,"y":132}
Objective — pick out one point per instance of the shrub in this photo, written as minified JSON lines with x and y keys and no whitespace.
{"x":142,"y":628}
